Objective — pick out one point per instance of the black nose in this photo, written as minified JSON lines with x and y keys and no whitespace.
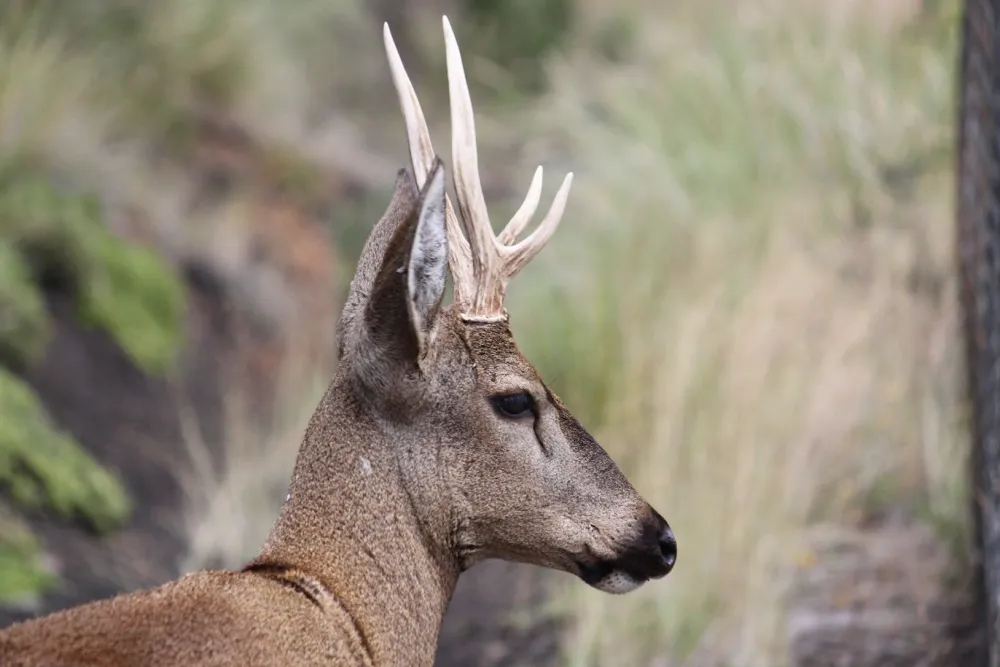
{"x":668,"y":547}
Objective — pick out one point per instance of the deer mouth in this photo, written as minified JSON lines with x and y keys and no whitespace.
{"x":651,"y":557}
{"x":604,"y":576}
{"x":625,"y":574}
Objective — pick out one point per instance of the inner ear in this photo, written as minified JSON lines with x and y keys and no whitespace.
{"x":409,"y":286}
{"x":427,"y":269}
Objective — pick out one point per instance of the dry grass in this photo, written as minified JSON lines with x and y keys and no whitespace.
{"x":232,"y":508}
{"x":762,"y":279}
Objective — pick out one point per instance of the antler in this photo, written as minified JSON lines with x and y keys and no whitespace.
{"x":481,"y":264}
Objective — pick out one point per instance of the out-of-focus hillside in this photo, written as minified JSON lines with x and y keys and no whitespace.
{"x":750,"y":300}
{"x":166,"y":270}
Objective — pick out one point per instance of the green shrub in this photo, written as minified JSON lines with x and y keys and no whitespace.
{"x":43,"y":468}
{"x":133,"y":295}
{"x":127,"y":290}
{"x":21,"y":573}
{"x":24,"y":323}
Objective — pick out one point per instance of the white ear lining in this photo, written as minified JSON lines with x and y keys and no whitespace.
{"x":428,"y":267}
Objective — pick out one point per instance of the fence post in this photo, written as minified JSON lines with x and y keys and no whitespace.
{"x":978,"y":249}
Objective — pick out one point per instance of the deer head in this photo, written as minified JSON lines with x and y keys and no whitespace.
{"x":495,"y":456}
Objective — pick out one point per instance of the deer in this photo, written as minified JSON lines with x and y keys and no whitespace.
{"x":436,"y":446}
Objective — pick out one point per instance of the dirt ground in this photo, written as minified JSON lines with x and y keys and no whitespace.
{"x":887,"y":596}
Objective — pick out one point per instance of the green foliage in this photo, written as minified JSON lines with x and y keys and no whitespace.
{"x":124,"y":289}
{"x":51,"y":235}
{"x":42,"y":468}
{"x":131,"y":293}
{"x":24,"y":325}
{"x":21,"y":574}
{"x":519,"y":34}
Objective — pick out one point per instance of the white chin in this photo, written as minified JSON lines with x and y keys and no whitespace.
{"x":618,"y":583}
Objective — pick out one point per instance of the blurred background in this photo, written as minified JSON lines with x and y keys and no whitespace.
{"x":750,"y":301}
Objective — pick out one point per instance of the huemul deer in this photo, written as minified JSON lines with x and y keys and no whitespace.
{"x":436,"y":446}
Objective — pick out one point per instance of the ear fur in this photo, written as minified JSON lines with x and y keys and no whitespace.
{"x":404,"y":199}
{"x":409,"y":287}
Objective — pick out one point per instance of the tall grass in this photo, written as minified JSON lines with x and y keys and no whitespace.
{"x":756,"y":285}
{"x":232,"y":507}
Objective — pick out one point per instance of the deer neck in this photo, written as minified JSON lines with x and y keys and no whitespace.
{"x":353,"y":524}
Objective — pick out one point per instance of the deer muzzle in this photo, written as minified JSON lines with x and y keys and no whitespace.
{"x":650,"y":555}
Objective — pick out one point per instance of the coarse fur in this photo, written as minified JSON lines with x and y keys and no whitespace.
{"x":418,"y":463}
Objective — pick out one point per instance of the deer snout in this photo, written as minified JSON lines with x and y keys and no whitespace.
{"x":654,"y":553}
{"x":667,"y":543}
{"x":649,"y":554}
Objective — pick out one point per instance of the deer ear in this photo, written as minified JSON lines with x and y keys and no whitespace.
{"x":403,"y":203}
{"x":427,"y":268}
{"x":408,"y":288}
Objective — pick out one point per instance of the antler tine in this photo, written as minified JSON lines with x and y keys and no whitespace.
{"x":515,"y":257}
{"x":422,"y":157}
{"x":481,"y":263}
{"x":417,"y":134}
{"x":523,"y":216}
{"x":471,"y":203}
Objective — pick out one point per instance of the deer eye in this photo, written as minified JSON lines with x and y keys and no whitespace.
{"x":514,"y":405}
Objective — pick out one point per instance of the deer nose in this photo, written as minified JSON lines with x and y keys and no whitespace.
{"x":668,"y":547}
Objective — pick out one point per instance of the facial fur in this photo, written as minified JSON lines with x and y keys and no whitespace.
{"x":533,"y":488}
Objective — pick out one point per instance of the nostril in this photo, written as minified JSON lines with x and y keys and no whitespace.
{"x":668,"y":547}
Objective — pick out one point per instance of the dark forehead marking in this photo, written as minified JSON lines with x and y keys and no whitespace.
{"x":493,"y":347}
{"x":489,"y":335}
{"x":492,"y":341}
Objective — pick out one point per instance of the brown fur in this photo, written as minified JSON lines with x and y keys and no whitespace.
{"x":407,"y":475}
